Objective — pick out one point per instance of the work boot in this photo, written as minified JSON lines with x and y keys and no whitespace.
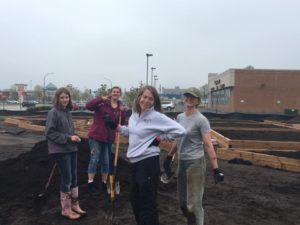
{"x":66,"y":211}
{"x":92,"y":187}
{"x":104,"y":190}
{"x":75,"y":202}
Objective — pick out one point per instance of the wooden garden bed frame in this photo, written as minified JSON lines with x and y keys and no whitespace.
{"x":227,"y":149}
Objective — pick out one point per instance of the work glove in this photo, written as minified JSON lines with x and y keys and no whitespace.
{"x":218,"y":175}
{"x":167,"y":164}
{"x":108,"y":121}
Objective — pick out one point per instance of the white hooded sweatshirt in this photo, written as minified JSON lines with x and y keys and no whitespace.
{"x":142,"y":130}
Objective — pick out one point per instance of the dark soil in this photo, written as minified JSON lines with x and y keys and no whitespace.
{"x":249,"y":195}
{"x":261,"y":135}
{"x":238,"y":124}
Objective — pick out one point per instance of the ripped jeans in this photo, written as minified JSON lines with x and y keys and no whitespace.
{"x":100,"y":152}
{"x":190,"y":184}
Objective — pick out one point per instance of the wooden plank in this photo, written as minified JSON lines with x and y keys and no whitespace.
{"x":261,"y":159}
{"x":288,"y":125}
{"x":32,"y":127}
{"x":253,"y":129}
{"x":255,"y":144}
{"x":222,"y":141}
{"x":263,"y":150}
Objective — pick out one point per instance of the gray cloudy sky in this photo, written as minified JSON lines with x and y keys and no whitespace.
{"x":85,"y":41}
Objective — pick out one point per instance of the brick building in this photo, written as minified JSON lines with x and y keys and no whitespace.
{"x":252,"y":90}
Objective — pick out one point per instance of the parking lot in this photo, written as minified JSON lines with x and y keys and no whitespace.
{"x":13,"y":107}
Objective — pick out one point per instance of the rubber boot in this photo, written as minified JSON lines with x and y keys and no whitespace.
{"x":75,"y":202}
{"x":104,"y":190}
{"x":66,"y":211}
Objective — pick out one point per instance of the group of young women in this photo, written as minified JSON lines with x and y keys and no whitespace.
{"x":146,"y":127}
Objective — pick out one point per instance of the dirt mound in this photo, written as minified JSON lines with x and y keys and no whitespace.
{"x":249,"y":194}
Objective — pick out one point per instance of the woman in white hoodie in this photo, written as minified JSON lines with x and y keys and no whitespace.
{"x":146,"y":126}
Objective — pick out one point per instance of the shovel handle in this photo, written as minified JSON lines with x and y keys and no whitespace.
{"x":117,"y":144}
{"x":50,"y":177}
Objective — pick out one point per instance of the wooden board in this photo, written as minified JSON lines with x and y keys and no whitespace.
{"x":255,"y":144}
{"x":260,"y":159}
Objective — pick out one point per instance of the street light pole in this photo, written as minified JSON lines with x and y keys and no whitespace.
{"x":109,"y":82}
{"x":44,"y":87}
{"x":152,"y":68}
{"x":155,"y":79}
{"x":148,"y":55}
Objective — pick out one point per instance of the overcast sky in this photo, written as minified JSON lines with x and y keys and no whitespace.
{"x":89,"y":42}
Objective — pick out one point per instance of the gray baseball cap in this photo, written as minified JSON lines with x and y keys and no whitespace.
{"x":191,"y":94}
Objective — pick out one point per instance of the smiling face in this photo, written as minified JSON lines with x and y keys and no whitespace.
{"x":190,"y":102}
{"x":64,"y":100}
{"x":146,"y":100}
{"x":115,"y":93}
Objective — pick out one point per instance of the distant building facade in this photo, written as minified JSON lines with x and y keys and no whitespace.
{"x":172,"y":93}
{"x":252,"y":90}
{"x":50,"y":92}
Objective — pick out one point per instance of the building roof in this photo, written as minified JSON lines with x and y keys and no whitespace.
{"x":51,"y":87}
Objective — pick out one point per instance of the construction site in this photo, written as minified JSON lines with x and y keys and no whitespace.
{"x":260,"y":157}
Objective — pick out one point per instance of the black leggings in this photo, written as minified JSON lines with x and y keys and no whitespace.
{"x":143,"y":193}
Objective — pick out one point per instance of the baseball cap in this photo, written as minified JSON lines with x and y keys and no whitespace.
{"x":191,"y":94}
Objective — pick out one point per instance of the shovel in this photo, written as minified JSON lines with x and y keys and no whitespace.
{"x":114,"y":185}
{"x":40,"y":199}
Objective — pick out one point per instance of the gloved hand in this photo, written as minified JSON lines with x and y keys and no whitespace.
{"x":108,"y":121}
{"x":167,"y":163}
{"x":218,"y":175}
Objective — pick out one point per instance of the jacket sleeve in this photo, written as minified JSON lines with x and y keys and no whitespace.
{"x":52,"y":133}
{"x":170,"y":128}
{"x":92,"y":105}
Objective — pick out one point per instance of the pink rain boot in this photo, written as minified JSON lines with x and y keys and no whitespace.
{"x":66,"y":211}
{"x":75,"y":202}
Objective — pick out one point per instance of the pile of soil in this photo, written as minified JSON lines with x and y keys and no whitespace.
{"x":249,"y":195}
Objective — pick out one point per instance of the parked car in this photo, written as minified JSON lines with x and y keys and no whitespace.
{"x":12,"y":102}
{"x":81,"y":105}
{"x":168,"y":105}
{"x":28,"y":104}
{"x":78,"y":106}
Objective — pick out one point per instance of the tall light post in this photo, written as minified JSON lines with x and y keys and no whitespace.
{"x":109,"y":82}
{"x":44,"y":87}
{"x":148,"y":55}
{"x":152,"y":68}
{"x":155,"y":79}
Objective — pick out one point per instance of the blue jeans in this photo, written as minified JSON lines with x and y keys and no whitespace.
{"x":67,"y":166}
{"x":100,"y":152}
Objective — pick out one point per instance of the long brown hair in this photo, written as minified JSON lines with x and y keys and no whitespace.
{"x":58,"y":93}
{"x":156,"y":104}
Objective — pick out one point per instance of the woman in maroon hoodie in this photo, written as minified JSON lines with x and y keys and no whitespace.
{"x":102,"y":133}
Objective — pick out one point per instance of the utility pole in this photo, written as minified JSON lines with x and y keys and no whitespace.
{"x":147,"y":70}
{"x":44,"y":86}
